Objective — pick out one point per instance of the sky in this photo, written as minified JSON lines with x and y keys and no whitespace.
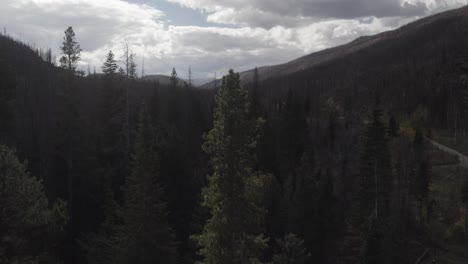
{"x":210,"y":36}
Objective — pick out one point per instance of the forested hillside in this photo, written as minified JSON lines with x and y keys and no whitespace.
{"x":321,"y":160}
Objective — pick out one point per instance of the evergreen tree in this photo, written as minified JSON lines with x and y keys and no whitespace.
{"x":113,"y":149}
{"x":393,"y":127}
{"x":132,"y":71}
{"x":110,"y":65}
{"x":233,"y":195}
{"x":293,"y":251}
{"x":422,"y":179}
{"x":418,"y":145}
{"x":121,"y":72}
{"x":255,"y":107}
{"x":190,"y":84}
{"x":464,"y":198}
{"x":422,"y":184}
{"x":177,"y":110}
{"x":27,"y":223}
{"x":326,"y":222}
{"x":372,"y":252}
{"x":174,"y":80}
{"x":7,"y":97}
{"x":465,"y":194}
{"x":375,"y":192}
{"x":71,"y":51}
{"x":104,"y":246}
{"x":147,"y":237}
{"x":375,"y":170}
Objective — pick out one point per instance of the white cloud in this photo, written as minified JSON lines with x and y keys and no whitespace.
{"x":294,"y":13}
{"x":268,"y":32}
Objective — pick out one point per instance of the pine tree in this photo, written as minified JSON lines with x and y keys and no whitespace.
{"x":373,"y":246}
{"x":177,"y":110}
{"x":464,"y":198}
{"x":26,"y":220}
{"x":190,"y":84}
{"x":104,"y":246}
{"x":233,"y":233}
{"x":418,"y":145}
{"x":147,"y":237}
{"x":132,"y":71}
{"x":114,"y":151}
{"x":422,"y":184}
{"x":375,"y":169}
{"x":255,"y":107}
{"x":71,"y":51}
{"x":327,"y":220}
{"x":7,"y":96}
{"x":422,"y":179}
{"x":121,"y":72}
{"x":110,"y":65}
{"x":393,"y":127}
{"x":174,"y":80}
{"x":375,"y":192}
{"x":465,"y":194}
{"x":293,"y":251}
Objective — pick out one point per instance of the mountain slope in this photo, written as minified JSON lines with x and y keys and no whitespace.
{"x":391,"y":45}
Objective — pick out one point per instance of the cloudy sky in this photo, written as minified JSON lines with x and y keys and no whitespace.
{"x":209,"y":35}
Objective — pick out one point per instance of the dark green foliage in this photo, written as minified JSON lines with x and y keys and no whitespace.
{"x":393,"y":127}
{"x":375,"y":170}
{"x":327,"y":220}
{"x":71,"y":51}
{"x":293,"y":130}
{"x":110,"y":65}
{"x":423,"y":180}
{"x":292,"y":251}
{"x":174,"y":81}
{"x":104,"y":247}
{"x":146,"y":235}
{"x":7,"y":90}
{"x":373,"y":250}
{"x":255,"y":107}
{"x":418,"y":145}
{"x":176,"y":112}
{"x":233,"y":195}
{"x":76,"y":133}
{"x":465,"y":194}
{"x":29,"y":228}
{"x":132,"y":67}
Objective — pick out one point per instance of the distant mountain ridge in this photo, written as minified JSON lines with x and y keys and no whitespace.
{"x":165,"y":79}
{"x":403,"y":35}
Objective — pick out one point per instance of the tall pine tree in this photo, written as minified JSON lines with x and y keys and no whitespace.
{"x":147,"y":237}
{"x":233,"y":233}
{"x":103,"y":247}
{"x":375,"y":170}
{"x":375,"y":192}
{"x":110,"y":65}
{"x":293,"y":251}
{"x":71,"y":51}
{"x":174,"y":80}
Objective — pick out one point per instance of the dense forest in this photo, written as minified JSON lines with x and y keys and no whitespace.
{"x":329,"y":164}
